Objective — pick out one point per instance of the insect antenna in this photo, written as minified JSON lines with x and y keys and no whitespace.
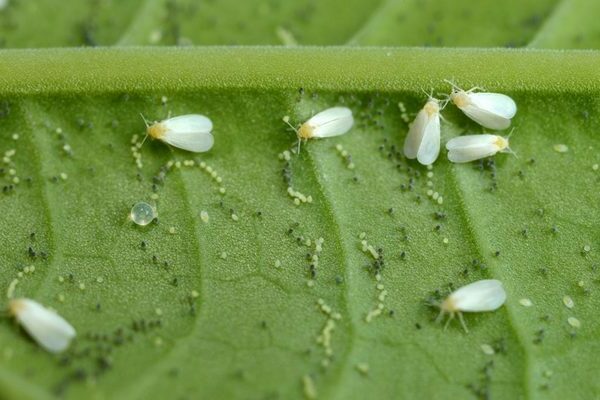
{"x":445,"y":99}
{"x":510,"y":134}
{"x":508,"y":149}
{"x":455,"y":88}
{"x":428,"y":94}
{"x":286,"y":119}
{"x":145,"y":120}
{"x":147,"y":126}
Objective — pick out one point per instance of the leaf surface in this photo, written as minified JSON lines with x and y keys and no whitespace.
{"x":231,"y":308}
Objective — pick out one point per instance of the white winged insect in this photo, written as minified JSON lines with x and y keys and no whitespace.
{"x":479,"y":296}
{"x":192,"y":132}
{"x":333,"y":121}
{"x":490,"y":110}
{"x":47,"y":328}
{"x":467,"y":148}
{"x":423,"y":139}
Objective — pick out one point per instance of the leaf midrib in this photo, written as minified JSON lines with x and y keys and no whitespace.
{"x":143,"y":70}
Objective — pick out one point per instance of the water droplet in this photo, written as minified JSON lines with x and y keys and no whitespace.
{"x":142,"y":213}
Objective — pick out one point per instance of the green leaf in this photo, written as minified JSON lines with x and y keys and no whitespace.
{"x":253,"y":328}
{"x":229,"y":308}
{"x":510,"y":23}
{"x":571,"y":24}
{"x":486,"y":23}
{"x":45,"y":24}
{"x":168,"y":22}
